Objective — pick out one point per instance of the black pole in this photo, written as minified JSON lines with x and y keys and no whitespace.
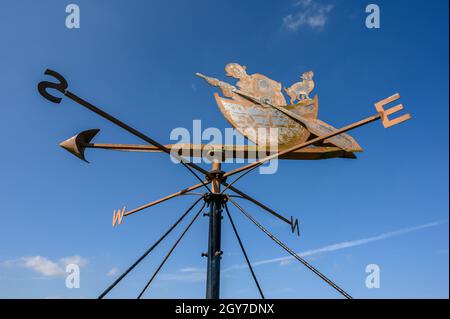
{"x":215,"y":201}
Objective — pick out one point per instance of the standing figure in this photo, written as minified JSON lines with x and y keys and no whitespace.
{"x":256,"y":84}
{"x":300,"y":90}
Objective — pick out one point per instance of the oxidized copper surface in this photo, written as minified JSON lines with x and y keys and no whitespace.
{"x":248,"y":117}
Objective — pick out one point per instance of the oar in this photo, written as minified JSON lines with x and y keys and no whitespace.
{"x":315,"y":126}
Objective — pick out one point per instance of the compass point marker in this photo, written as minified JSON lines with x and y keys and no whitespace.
{"x":294,"y":226}
{"x":117,"y":216}
{"x":385,"y":113}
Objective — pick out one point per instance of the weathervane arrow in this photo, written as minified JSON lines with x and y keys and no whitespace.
{"x":77,"y":144}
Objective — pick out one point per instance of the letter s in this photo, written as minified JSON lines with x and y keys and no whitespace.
{"x":61,"y":86}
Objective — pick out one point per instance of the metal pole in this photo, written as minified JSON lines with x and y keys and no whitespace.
{"x":215,"y":200}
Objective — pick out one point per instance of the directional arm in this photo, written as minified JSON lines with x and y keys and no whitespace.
{"x":156,"y":202}
{"x":186,"y":190}
{"x":254,"y":201}
{"x":382,"y":114}
{"x":228,"y":151}
{"x":62,"y":87}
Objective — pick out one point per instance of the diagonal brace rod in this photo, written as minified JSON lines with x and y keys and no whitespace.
{"x":290,"y":251}
{"x":243,"y":251}
{"x":170,"y":251}
{"x":254,"y":201}
{"x":103,"y":294}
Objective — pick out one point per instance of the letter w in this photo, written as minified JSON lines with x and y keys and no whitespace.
{"x":117,"y":216}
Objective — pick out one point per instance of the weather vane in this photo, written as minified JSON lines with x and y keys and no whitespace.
{"x":255,"y":103}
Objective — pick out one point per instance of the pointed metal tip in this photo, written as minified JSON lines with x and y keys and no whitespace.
{"x":350,"y":155}
{"x":76,"y":144}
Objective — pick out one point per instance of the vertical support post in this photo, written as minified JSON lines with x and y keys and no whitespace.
{"x":215,"y":218}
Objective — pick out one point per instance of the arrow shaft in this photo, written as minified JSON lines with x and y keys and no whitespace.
{"x":133,"y":131}
{"x":124,"y":147}
{"x":229,"y":151}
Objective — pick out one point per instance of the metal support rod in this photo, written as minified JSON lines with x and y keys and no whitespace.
{"x":103,"y":294}
{"x":194,"y":187}
{"x":215,"y":201}
{"x":244,"y":252}
{"x":237,"y":179}
{"x":232,"y":151}
{"x":170,"y":251}
{"x":290,"y":251}
{"x":179,"y":193}
{"x":254,"y":201}
{"x":193,"y":194}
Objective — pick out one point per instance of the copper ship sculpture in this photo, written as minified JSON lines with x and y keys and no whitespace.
{"x":257,"y":102}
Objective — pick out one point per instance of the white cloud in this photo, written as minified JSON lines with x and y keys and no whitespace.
{"x":191,"y":269}
{"x":310,"y":14}
{"x":339,"y":246}
{"x":80,"y":261}
{"x":42,"y":266}
{"x":285,"y":262}
{"x":113,"y":271}
{"x":188,"y":274}
{"x":194,"y":274}
{"x":46,"y":267}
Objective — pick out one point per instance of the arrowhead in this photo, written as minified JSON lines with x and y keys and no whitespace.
{"x":76,"y":144}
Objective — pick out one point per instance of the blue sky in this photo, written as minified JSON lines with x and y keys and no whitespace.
{"x":137,"y":60}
